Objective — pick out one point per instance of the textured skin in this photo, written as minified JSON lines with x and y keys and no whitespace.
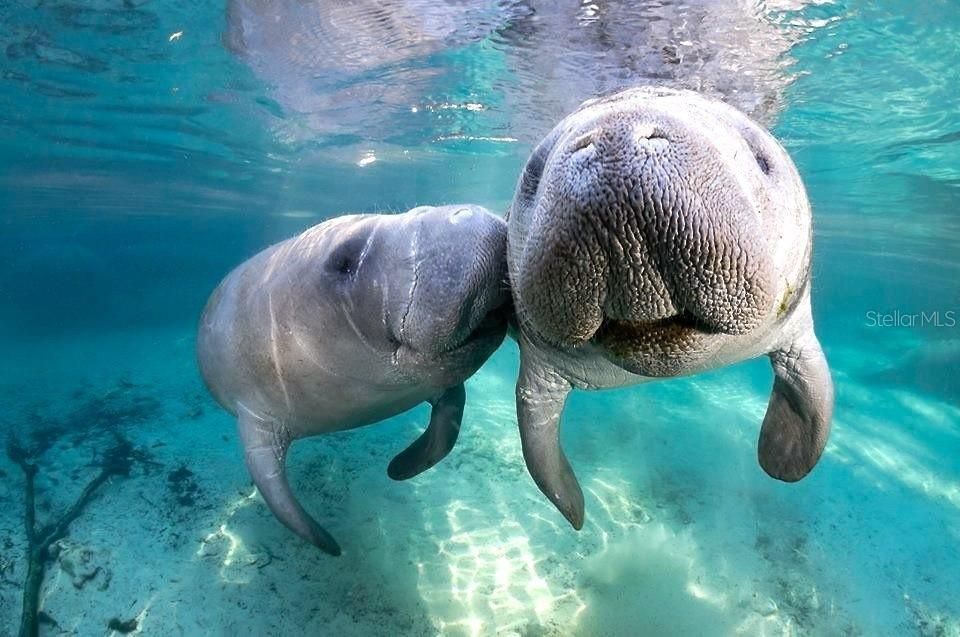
{"x":357,"y":319}
{"x":653,"y":228}
{"x":657,"y":233}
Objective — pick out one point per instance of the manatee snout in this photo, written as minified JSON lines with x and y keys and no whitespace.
{"x":648,"y":224}
{"x":459,"y":292}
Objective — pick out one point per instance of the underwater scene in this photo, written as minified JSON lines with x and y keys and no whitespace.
{"x":149,"y":147}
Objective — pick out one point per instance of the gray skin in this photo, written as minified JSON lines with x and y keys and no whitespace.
{"x":357,"y":319}
{"x":658,"y":233}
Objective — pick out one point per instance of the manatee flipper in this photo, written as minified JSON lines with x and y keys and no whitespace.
{"x":797,"y":422}
{"x":541,"y":396}
{"x":436,"y":442}
{"x":265,"y":449}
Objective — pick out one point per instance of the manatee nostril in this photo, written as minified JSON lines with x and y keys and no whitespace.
{"x":645,"y":133}
{"x":648,"y":130}
{"x":584,"y":141}
{"x":461,"y":214}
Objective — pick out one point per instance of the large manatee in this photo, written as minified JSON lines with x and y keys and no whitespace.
{"x":355,"y":320}
{"x":658,"y":233}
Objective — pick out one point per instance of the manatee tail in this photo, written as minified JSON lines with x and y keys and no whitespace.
{"x":797,"y":422}
{"x":265,"y":446}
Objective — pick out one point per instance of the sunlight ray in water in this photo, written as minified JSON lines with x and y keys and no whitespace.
{"x":234,"y":550}
{"x":488,"y":578}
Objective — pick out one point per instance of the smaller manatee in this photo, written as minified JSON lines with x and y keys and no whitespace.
{"x":356,"y":320}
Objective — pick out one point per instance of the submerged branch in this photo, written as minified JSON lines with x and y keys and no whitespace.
{"x":30,"y":512}
{"x":21,"y":457}
{"x":58,"y":529}
{"x":116,"y":461}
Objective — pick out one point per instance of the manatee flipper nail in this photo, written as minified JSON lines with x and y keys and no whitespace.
{"x":797,"y":422}
{"x":541,"y":395}
{"x":265,"y":449}
{"x":436,"y":442}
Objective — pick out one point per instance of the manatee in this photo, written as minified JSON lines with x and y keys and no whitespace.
{"x":658,"y":233}
{"x":357,"y":319}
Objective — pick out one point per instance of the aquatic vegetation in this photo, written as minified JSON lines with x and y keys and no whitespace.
{"x":183,"y":486}
{"x":123,"y":626}
{"x":117,"y":461}
{"x":45,"y":541}
{"x":929,"y":622}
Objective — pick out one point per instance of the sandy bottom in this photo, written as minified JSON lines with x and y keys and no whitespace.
{"x":684,"y":535}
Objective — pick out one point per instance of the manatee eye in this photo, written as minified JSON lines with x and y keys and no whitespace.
{"x":345,"y":265}
{"x":762,"y":162}
{"x":345,"y":258}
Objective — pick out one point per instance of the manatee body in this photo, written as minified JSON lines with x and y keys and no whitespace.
{"x":658,"y":233}
{"x":357,"y":319}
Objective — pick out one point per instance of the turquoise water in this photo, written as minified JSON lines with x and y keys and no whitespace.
{"x":145,"y":153}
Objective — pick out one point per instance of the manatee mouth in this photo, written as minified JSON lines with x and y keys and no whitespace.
{"x":657,"y":349}
{"x":492,"y":326}
{"x":489,"y":331}
{"x":457,"y":296}
{"x":494,"y":322}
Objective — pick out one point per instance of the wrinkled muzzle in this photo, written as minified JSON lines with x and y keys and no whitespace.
{"x":644,"y":227}
{"x":459,"y":287}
